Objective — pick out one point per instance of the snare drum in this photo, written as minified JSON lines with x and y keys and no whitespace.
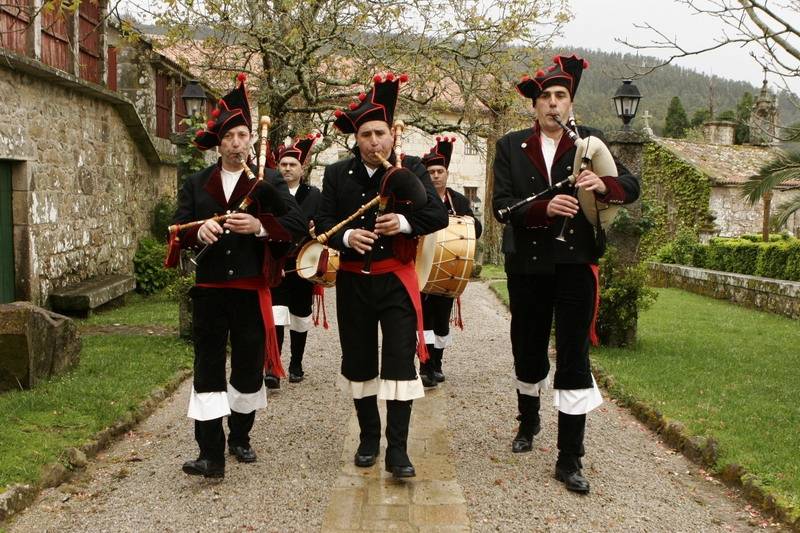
{"x":308,"y":264}
{"x":448,"y":256}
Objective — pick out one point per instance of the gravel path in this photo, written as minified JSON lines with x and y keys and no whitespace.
{"x":638,"y":484}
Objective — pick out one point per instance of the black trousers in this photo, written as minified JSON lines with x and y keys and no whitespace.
{"x":567,"y":295}
{"x":217,"y":315}
{"x":295,"y":293}
{"x":436,"y":312}
{"x":364,"y":302}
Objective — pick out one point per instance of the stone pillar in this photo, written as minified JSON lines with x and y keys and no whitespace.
{"x":625,"y":233}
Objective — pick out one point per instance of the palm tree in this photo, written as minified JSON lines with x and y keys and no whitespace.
{"x":782,"y":170}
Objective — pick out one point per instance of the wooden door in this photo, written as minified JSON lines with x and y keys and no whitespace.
{"x":6,"y":236}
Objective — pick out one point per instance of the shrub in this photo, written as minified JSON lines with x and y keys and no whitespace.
{"x":732,"y":255}
{"x":771,"y":262}
{"x":162,"y":215}
{"x":792,"y":269}
{"x":684,"y":250}
{"x":148,"y":266}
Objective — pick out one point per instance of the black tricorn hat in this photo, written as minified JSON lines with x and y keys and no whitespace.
{"x":377,"y":104}
{"x":299,"y":149}
{"x":441,"y":153}
{"x":232,"y":110}
{"x":565,"y":71}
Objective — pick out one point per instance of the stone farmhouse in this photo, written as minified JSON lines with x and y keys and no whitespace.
{"x":84,"y":146}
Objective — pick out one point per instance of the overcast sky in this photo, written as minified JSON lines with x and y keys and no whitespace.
{"x":597,"y":22}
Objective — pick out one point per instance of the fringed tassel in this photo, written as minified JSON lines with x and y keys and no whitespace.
{"x":173,"y":250}
{"x":457,"y":318}
{"x":593,"y":338}
{"x":422,"y":348}
{"x":319,"y":305}
{"x":272,"y":362}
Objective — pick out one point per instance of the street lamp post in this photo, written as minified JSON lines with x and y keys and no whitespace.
{"x":193,"y":98}
{"x":626,"y":101}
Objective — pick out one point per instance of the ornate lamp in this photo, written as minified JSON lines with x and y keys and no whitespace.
{"x":626,"y":100}
{"x":193,"y":98}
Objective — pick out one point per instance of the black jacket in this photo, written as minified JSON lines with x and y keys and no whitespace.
{"x":461,"y":206}
{"x":346,"y":186}
{"x":529,"y":238}
{"x":237,"y":256}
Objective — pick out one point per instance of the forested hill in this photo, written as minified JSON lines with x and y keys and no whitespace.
{"x":594,"y":107}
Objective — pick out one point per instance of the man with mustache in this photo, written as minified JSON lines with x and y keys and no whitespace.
{"x":548,"y":278}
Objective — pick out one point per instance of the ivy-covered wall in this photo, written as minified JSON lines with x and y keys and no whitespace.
{"x":675,"y":196}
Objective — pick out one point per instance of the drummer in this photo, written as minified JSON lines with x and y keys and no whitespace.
{"x":291,"y":300}
{"x":436,"y":309}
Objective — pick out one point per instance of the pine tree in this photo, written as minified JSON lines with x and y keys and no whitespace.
{"x":743,"y":110}
{"x":699,"y":117}
{"x":676,"y":122}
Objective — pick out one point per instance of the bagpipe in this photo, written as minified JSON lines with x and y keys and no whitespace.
{"x":261,"y":192}
{"x":591,"y":154}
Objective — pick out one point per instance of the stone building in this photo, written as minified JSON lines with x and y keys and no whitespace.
{"x":727,"y":168}
{"x":84,"y":146}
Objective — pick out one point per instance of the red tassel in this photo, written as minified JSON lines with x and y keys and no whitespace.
{"x":173,"y":251}
{"x":319,"y":305}
{"x":458,"y":317}
{"x":585,"y":64}
{"x":353,"y":106}
{"x":210,"y":124}
{"x":403,"y":78}
{"x":338,"y":113}
{"x":593,"y":338}
{"x":362,"y":96}
{"x":390,"y":76}
{"x":526,"y":77}
{"x":539,"y":73}
{"x":377,"y":78}
{"x":242,"y":76}
{"x":215,"y":113}
{"x":198,"y":133}
{"x":272,"y":362}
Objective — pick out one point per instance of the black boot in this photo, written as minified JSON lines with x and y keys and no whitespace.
{"x":398,"y":418}
{"x":426,"y":370}
{"x":211,"y":440}
{"x":239,"y":426}
{"x":298,"y":348}
{"x":271,"y":381}
{"x":571,"y":429}
{"x":436,"y":357}
{"x":369,"y":421}
{"x":529,"y":423}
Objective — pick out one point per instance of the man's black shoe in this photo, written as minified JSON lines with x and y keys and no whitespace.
{"x":205,"y":468}
{"x":428,"y":381}
{"x":295,"y":378}
{"x":272,"y":382}
{"x":365,"y":460}
{"x":438,"y":375}
{"x":574,"y":481}
{"x":401,"y":471}
{"x":242,"y":454}
{"x":523,"y":442}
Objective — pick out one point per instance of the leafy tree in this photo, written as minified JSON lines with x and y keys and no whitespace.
{"x":699,"y":117}
{"x":676,"y":122}
{"x":728,"y":114}
{"x":784,"y":168}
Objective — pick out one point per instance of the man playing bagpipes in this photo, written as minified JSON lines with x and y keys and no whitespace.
{"x":552,"y":246}
{"x":436,"y":309}
{"x":292,"y":299}
{"x":376,"y":284}
{"x":241,"y":256}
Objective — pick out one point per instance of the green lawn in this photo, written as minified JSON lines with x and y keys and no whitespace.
{"x":723,"y":371}
{"x":139,"y":311}
{"x":490,"y":271}
{"x":115,"y":374}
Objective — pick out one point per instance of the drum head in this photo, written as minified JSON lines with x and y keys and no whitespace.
{"x":426,"y":250}
{"x":308,"y":259}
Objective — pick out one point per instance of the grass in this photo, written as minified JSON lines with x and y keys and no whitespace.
{"x":723,"y":371}
{"x":116,"y":373}
{"x":490,"y":271}
{"x":138,"y":311}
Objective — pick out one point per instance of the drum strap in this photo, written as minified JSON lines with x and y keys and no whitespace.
{"x":408,"y":277}
{"x":272,"y":359}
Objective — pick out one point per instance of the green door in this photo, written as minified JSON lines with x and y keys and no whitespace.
{"x":6,"y":236}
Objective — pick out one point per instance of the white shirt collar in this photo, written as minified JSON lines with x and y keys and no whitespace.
{"x":229,"y":180}
{"x":293,"y":191}
{"x":370,"y":171}
{"x":549,"y":147}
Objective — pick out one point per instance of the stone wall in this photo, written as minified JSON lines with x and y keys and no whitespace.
{"x":734,"y":216}
{"x":83,"y":189}
{"x":765,"y":294}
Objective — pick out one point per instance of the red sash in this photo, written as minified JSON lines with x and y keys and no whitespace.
{"x":408,"y":277}
{"x":272,"y":360}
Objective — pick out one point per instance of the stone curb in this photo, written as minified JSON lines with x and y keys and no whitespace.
{"x":19,"y":496}
{"x":701,"y":450}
